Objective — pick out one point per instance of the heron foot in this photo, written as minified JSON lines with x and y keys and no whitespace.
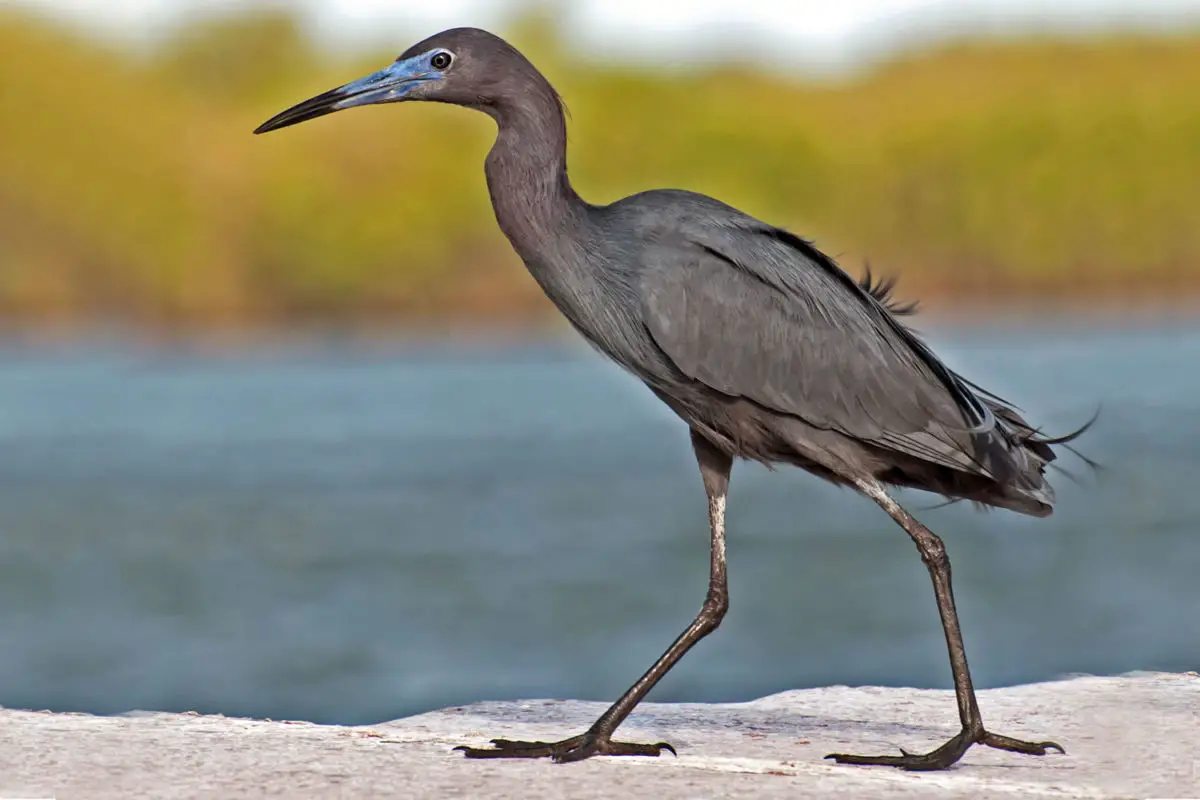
{"x":577,"y":748}
{"x":950,"y":752}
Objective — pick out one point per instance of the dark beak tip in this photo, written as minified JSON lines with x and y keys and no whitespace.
{"x":275,"y":123}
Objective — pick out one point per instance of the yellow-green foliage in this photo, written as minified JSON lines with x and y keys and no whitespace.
{"x":130,"y":185}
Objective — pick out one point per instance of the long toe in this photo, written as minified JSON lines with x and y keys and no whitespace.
{"x":949,"y":753}
{"x":1019,"y":746}
{"x":577,"y":748}
{"x":516,"y":744}
{"x":877,"y":761}
{"x":913,"y":762}
{"x":940,"y":758}
{"x":544,"y":751}
{"x":509,"y":748}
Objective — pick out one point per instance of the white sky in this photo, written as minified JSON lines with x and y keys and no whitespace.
{"x":811,"y":32}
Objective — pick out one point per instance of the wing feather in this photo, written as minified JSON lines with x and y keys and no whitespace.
{"x":750,"y":314}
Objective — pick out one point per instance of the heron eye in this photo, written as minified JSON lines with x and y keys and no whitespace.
{"x":441,"y":60}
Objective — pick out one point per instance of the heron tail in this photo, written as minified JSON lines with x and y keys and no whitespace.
{"x":1018,"y":455}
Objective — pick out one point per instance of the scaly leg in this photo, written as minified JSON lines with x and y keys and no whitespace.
{"x":933,"y":553}
{"x":715,"y":467}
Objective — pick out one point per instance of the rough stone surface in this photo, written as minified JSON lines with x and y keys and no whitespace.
{"x":1135,"y":736}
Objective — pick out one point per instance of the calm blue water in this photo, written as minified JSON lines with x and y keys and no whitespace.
{"x":349,"y":534}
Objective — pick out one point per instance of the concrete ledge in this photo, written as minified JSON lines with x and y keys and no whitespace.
{"x":1135,"y":736}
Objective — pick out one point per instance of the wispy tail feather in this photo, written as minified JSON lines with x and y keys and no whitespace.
{"x":1020,"y":468}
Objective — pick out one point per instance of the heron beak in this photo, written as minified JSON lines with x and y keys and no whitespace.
{"x":389,"y":85}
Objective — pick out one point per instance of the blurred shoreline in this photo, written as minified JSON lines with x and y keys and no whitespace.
{"x":545,"y":326}
{"x":1033,"y":177}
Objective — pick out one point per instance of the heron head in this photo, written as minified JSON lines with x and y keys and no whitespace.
{"x":464,"y":66}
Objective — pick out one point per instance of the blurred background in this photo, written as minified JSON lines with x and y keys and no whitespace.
{"x":286,"y":429}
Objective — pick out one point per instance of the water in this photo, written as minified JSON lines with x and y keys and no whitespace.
{"x":350,"y":534}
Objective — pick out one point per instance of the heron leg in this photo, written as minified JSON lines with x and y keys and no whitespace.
{"x":933,"y":553}
{"x":715,"y":467}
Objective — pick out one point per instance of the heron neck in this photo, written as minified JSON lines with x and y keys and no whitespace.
{"x":526,"y":172}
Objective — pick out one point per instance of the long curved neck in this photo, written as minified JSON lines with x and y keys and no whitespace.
{"x":556,"y":233}
{"x":527,"y":173}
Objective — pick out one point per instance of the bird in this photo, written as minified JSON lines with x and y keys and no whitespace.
{"x":760,"y":342}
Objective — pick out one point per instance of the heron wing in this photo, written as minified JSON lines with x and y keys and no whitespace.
{"x":761,"y":314}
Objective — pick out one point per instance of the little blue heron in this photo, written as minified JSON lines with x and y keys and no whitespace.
{"x":757,"y":339}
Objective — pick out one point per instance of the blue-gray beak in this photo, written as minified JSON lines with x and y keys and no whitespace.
{"x":389,"y":85}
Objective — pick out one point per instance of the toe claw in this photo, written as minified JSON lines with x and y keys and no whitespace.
{"x":667,"y":746}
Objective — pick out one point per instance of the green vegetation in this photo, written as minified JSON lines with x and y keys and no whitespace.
{"x":131,"y":188}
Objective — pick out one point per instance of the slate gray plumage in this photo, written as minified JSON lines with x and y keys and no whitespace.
{"x":756,"y":339}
